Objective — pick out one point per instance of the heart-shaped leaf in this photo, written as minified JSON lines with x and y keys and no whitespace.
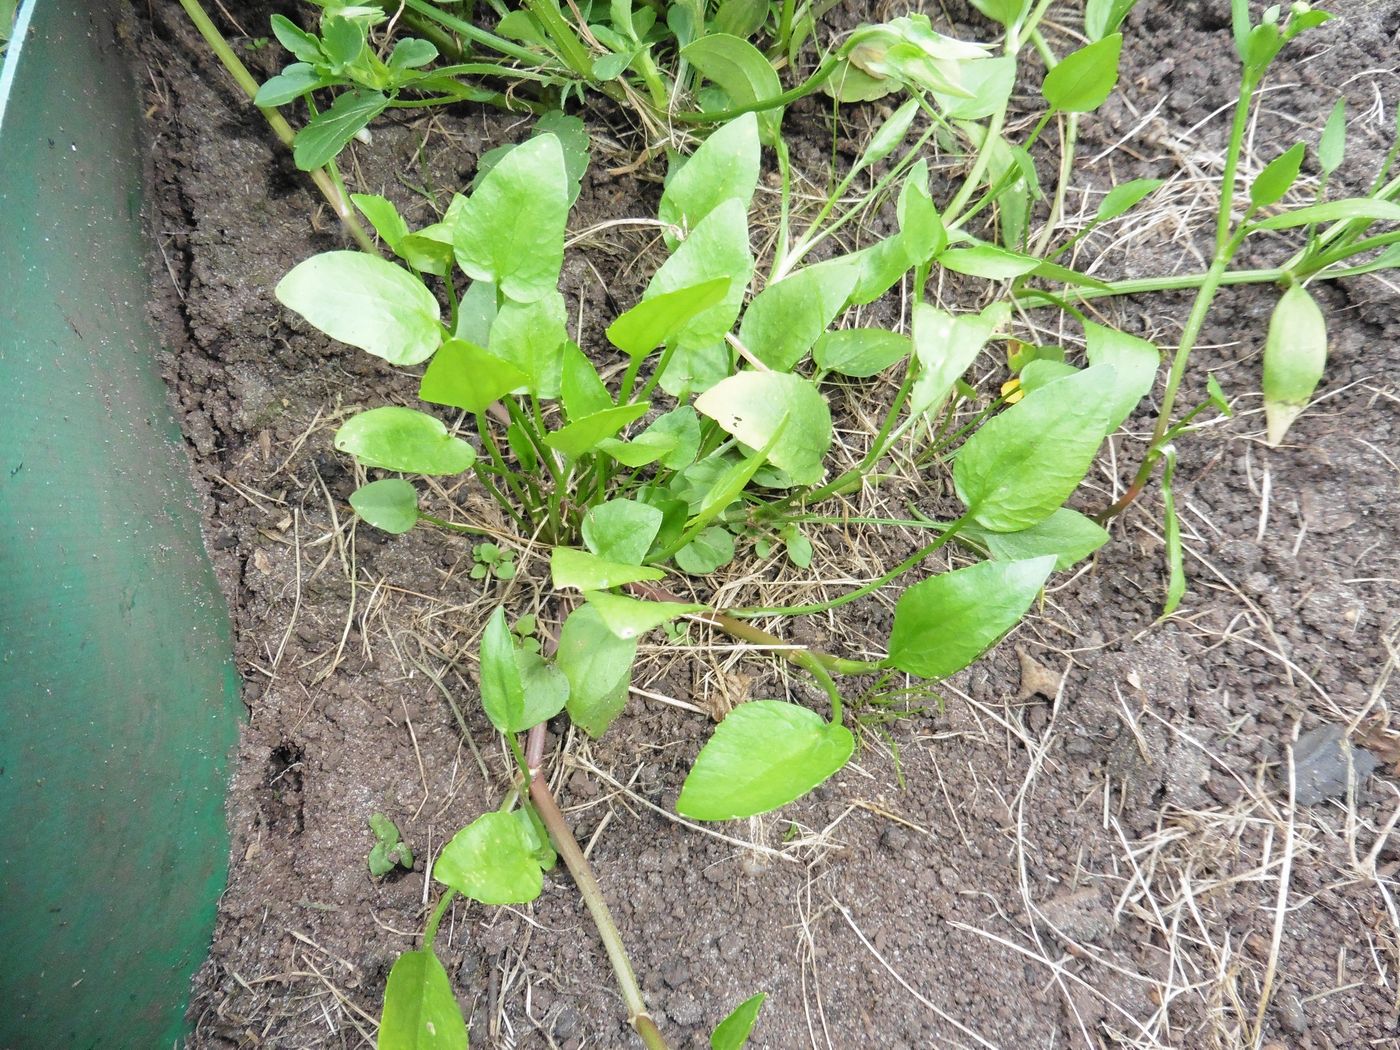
{"x":405,"y":440}
{"x":390,"y":505}
{"x":491,"y":860}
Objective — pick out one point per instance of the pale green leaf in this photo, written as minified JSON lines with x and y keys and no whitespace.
{"x":405,"y":440}
{"x":588,"y":572}
{"x":787,"y":317}
{"x":420,"y":1007}
{"x":764,"y":754}
{"x":621,"y":530}
{"x":733,"y":1032}
{"x":1134,"y":361}
{"x":583,"y":435}
{"x":465,"y":376}
{"x":491,"y":860}
{"x":317,"y":144}
{"x":366,"y":302}
{"x":1083,"y":79}
{"x":598,"y":664}
{"x":655,"y":321}
{"x":944,"y":623}
{"x":390,"y":505}
{"x":724,"y":168}
{"x":752,"y":406}
{"x":1295,"y":354}
{"x":634,"y":617}
{"x":860,"y":352}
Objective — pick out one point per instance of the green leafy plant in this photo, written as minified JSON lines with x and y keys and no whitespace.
{"x":491,"y":560}
{"x":388,"y":851}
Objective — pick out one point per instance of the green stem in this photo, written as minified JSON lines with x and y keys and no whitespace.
{"x":236,"y":69}
{"x":597,"y":905}
{"x":452,"y":526}
{"x":860,"y":592}
{"x":563,"y":36}
{"x":792,"y":95}
{"x":435,"y":920}
{"x":499,"y":44}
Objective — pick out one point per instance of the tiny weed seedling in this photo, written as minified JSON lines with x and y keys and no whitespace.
{"x":388,"y":851}
{"x":491,"y":560}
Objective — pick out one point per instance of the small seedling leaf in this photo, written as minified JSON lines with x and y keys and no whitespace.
{"x":405,"y":440}
{"x":390,"y":505}
{"x":1083,"y":79}
{"x":365,"y":302}
{"x":588,"y":572}
{"x":1124,"y":197}
{"x":1295,"y":353}
{"x":733,"y":1032}
{"x":462,"y":375}
{"x":621,"y":530}
{"x":1134,"y":361}
{"x":1277,"y":177}
{"x":787,"y":317}
{"x":711,"y":549}
{"x":763,"y":755}
{"x":724,"y":168}
{"x":742,"y":72}
{"x":1022,"y":464}
{"x":1217,"y":395}
{"x":655,"y":321}
{"x":598,"y":664}
{"x":945,"y":622}
{"x":327,"y":133}
{"x":582,"y":436}
{"x":747,"y":405}
{"x":420,"y":1008}
{"x":412,"y":53}
{"x":511,"y":229}
{"x":633,"y":617}
{"x":1331,"y":148}
{"x":491,"y":860}
{"x":860,"y":352}
{"x":1066,"y":534}
{"x":1102,"y":17}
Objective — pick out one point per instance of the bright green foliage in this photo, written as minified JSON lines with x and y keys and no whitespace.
{"x":1277,"y":177}
{"x":1295,"y":354}
{"x":420,"y":1008}
{"x":988,"y":262}
{"x":945,"y":347}
{"x":733,"y":1032}
{"x":404,"y":439}
{"x":518,"y":688}
{"x":655,"y":321}
{"x":388,"y":851}
{"x":748,"y":405}
{"x":763,"y":755}
{"x":366,"y":302}
{"x":492,"y":560}
{"x":724,"y":168}
{"x":1066,"y":534}
{"x":492,"y":860}
{"x":588,"y":572}
{"x":390,"y":505}
{"x":632,"y":617}
{"x":944,"y":623}
{"x":1085,"y":78}
{"x":1331,"y":148}
{"x":598,"y":664}
{"x":787,"y":317}
{"x":742,"y":73}
{"x":860,"y":352}
{"x":511,"y":230}
{"x":1020,"y":466}
{"x":1124,"y":197}
{"x":1102,"y":17}
{"x":621,"y":530}
{"x":903,"y":51}
{"x":1134,"y":362}
{"x":463,"y":375}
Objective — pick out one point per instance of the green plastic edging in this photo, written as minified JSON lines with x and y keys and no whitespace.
{"x":118,"y":697}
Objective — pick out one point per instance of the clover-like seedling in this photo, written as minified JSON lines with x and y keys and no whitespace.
{"x":492,"y":560}
{"x":388,"y":852}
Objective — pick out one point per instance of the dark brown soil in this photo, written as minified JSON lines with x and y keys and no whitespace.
{"x":1089,"y":844}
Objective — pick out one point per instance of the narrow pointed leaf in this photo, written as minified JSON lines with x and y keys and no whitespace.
{"x":725,"y":167}
{"x":733,"y":1032}
{"x":582,"y":436}
{"x":655,"y":321}
{"x":1277,"y":177}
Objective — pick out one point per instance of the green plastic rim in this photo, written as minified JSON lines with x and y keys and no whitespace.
{"x":118,"y":698}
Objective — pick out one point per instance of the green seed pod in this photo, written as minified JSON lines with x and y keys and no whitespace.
{"x":1294,"y":355}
